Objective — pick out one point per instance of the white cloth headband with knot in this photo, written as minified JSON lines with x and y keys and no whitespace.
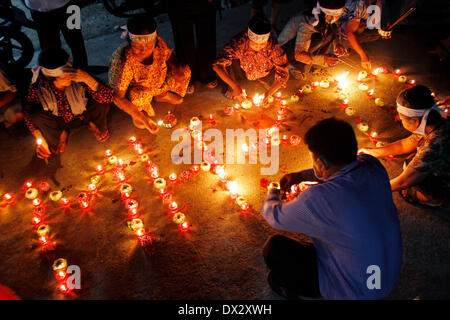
{"x":258,"y":38}
{"x":58,"y":72}
{"x":417,"y":113}
{"x":331,"y":12}
{"x":142,"y":38}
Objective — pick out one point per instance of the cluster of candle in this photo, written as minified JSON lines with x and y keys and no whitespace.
{"x":43,"y":229}
{"x":296,"y":189}
{"x":160,"y":184}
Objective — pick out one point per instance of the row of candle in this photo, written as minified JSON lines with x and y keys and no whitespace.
{"x":160,"y":184}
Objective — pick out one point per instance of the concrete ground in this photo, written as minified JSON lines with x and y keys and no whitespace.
{"x":220,"y":256}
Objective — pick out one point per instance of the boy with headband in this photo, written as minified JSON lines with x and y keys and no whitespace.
{"x":316,"y":34}
{"x":258,"y":53}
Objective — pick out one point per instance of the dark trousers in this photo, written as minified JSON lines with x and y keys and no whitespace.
{"x":50,"y":24}
{"x":51,"y":126}
{"x":293,"y":265}
{"x":197,"y":49}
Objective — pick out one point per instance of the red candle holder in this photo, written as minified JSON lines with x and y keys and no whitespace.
{"x":344,"y":103}
{"x":65,"y":203}
{"x":373,"y":136}
{"x":39,"y":211}
{"x":285,"y":139}
{"x":237,"y":107}
{"x":44,"y":186}
{"x":64,"y":288}
{"x":411,"y":83}
{"x":211,"y":119}
{"x":9,"y":198}
{"x":84,"y":205}
{"x":92,"y":189}
{"x":397,"y":72}
{"x":36,"y":221}
{"x":184,"y":227}
{"x":173,"y":207}
{"x":132,"y":140}
{"x":60,"y":275}
{"x":173,"y":178}
{"x":299,"y":92}
{"x":100,"y":170}
{"x":133,"y":213}
{"x":195,"y":169}
{"x":245,"y":208}
{"x":27,"y":185}
{"x":108,"y":153}
{"x":36,"y":202}
{"x":314,"y":84}
{"x":370,"y":94}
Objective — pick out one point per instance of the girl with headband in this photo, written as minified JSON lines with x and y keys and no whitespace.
{"x":256,"y":54}
{"x":426,"y":178}
{"x":144,"y":68}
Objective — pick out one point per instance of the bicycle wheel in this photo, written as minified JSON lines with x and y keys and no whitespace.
{"x":15,"y":47}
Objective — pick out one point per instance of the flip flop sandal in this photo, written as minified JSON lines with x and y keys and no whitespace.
{"x":411,"y":198}
{"x":212,"y":84}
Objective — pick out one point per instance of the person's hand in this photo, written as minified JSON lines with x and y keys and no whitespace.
{"x":76,"y":75}
{"x":42,"y":149}
{"x":141,"y":121}
{"x":340,"y":51}
{"x":369,"y":151}
{"x":287,"y":181}
{"x":237,"y":92}
{"x":366,"y":64}
{"x":331,"y":60}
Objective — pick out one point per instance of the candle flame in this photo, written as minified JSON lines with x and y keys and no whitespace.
{"x":258,"y":98}
{"x":39,"y":142}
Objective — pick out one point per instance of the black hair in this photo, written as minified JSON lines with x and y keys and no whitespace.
{"x":259,"y":24}
{"x":420,"y":97}
{"x":141,"y":24}
{"x":334,"y":140}
{"x":332,"y":4}
{"x":53,"y":58}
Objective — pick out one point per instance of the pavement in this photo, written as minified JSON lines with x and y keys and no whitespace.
{"x":220,"y":256}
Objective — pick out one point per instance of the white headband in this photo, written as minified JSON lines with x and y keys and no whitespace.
{"x":58,"y":72}
{"x":416,"y":113}
{"x":142,"y":38}
{"x":331,"y":12}
{"x":258,"y":38}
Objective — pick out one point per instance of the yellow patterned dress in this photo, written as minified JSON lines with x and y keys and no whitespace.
{"x":143,"y":82}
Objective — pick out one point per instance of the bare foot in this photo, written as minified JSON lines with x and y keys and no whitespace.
{"x":169,"y":97}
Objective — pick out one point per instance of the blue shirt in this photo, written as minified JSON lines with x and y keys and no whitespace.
{"x":353,"y":224}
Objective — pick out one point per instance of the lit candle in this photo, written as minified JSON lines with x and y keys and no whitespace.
{"x":36,"y":202}
{"x":179,"y":218}
{"x":65,"y":203}
{"x":108,"y":153}
{"x":84,"y":205}
{"x":397,"y":72}
{"x":295,"y":98}
{"x":131,"y":204}
{"x":324,"y":84}
{"x":27,"y":185}
{"x":194,"y":123}
{"x":132,"y":140}
{"x":295,"y":140}
{"x":278,"y":96}
{"x":411,"y":83}
{"x":306,"y":88}
{"x":55,"y":195}
{"x":112,"y":160}
{"x":195,"y":169}
{"x":345,"y":103}
{"x":92,"y":189}
{"x":95,"y":179}
{"x":43,"y":230}
{"x":315,"y":84}
{"x":31,"y":193}
{"x":184,"y":226}
{"x":100,"y":170}
{"x":370,"y":94}
{"x":236,"y":107}
{"x":160,"y":123}
{"x":270,"y":99}
{"x":362,"y":75}
{"x":363,"y":87}
{"x":245,"y":208}
{"x":373,"y":136}
{"x":173,"y":207}
{"x":379,"y":102}
{"x":402,"y":79}
{"x":258,"y":99}
{"x":363,"y":126}
{"x":246,"y":104}
{"x":205,"y":166}
{"x":285,"y":139}
{"x":36,"y":221}
{"x":60,"y":267}
{"x":155,"y":173}
{"x":349,"y":111}
{"x":211,"y":119}
{"x":125,"y":196}
{"x":64,"y":288}
{"x":159,"y":183}
{"x":173,"y":177}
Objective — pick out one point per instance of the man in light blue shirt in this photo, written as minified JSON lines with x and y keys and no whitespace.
{"x":350,"y":217}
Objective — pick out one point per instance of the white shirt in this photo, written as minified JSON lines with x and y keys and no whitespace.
{"x":45,"y":5}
